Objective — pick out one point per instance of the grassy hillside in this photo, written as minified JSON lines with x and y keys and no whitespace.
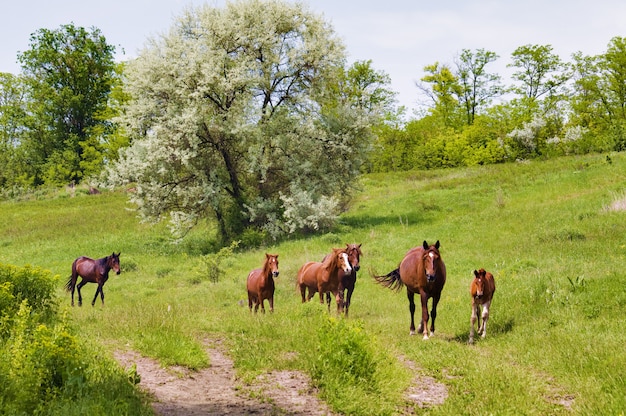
{"x":555,"y":339}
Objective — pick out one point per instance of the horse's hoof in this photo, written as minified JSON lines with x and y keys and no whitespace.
{"x":412,"y":332}
{"x":425,"y":337}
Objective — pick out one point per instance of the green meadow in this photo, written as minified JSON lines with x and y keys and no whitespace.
{"x":553,"y":233}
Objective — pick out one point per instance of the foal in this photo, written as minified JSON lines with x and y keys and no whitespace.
{"x":482,"y":289}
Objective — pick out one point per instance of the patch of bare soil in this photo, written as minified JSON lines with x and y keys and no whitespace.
{"x":425,"y":391}
{"x":178,"y":391}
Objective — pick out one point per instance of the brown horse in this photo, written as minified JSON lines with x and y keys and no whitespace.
{"x":323,"y":277}
{"x":422,"y":271}
{"x":260,"y":284}
{"x":92,"y":271}
{"x":348,"y":280}
{"x":482,"y":288}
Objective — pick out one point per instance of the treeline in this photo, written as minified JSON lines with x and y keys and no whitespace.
{"x":553,"y":108}
{"x":58,"y":116}
{"x":266,"y":135}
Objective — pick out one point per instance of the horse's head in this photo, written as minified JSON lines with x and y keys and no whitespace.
{"x":342,"y":260}
{"x":113,"y":261}
{"x":478,"y":285}
{"x":354,"y":255}
{"x":431,"y":260}
{"x":271,"y":261}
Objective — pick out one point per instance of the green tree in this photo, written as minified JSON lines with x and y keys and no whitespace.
{"x":13,"y":101}
{"x":230,"y":118}
{"x":478,"y":87}
{"x":599,"y":102}
{"x":367,"y":89}
{"x":442,"y":86}
{"x":542,"y":78}
{"x":70,"y":72}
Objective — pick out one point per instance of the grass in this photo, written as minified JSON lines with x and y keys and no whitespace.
{"x":555,"y":336}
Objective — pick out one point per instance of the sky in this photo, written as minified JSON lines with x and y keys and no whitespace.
{"x":400,"y":37}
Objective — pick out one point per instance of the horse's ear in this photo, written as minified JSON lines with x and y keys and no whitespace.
{"x":437,"y":245}
{"x":118,"y":254}
{"x":425,"y":245}
{"x":476,"y":273}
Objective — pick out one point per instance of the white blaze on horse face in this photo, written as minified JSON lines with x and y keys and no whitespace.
{"x":346,"y":263}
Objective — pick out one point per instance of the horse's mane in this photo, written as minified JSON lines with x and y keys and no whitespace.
{"x":266,"y":264}
{"x":330,"y":261}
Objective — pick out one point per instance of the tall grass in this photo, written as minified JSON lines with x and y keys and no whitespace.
{"x":556,"y":338}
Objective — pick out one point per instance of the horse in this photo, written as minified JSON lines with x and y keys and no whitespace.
{"x":260,"y":284}
{"x":482,"y":288}
{"x":323,"y":277}
{"x":92,"y":271}
{"x":348,"y":280}
{"x":422,"y":271}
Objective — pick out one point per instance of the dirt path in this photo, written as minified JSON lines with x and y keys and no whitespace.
{"x":214,"y":391}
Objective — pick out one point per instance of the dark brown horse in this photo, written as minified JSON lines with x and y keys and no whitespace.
{"x":348,"y":280}
{"x":482,"y":288}
{"x":92,"y":271}
{"x":260,"y":284}
{"x":323,"y":277}
{"x":422,"y":271}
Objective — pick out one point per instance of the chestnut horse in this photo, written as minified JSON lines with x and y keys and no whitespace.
{"x":482,"y":288}
{"x":323,"y":277}
{"x":92,"y":271}
{"x":348,"y":280}
{"x":260,"y":284}
{"x":422,"y":271}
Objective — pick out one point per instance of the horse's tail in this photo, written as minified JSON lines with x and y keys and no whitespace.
{"x":391,"y":280}
{"x":70,"y":284}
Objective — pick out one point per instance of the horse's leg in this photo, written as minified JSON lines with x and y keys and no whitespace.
{"x":348,"y":297}
{"x":250,"y":301}
{"x":339,"y":300}
{"x":433,"y":314}
{"x":271,"y":301}
{"x":411,"y":297}
{"x":98,"y":290}
{"x":303,"y":292}
{"x":423,"y":328}
{"x":473,"y":320}
{"x":74,"y":279}
{"x":262,"y":302}
{"x":80,"y":296}
{"x":483,"y":328}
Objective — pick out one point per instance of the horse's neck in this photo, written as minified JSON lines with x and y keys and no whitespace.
{"x":103,"y":265}
{"x":330,"y":263}
{"x":266,"y":273}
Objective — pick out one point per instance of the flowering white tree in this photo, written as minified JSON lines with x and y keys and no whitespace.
{"x":232,"y":117}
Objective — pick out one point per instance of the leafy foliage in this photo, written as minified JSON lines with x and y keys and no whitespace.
{"x":43,"y":365}
{"x":227,"y":121}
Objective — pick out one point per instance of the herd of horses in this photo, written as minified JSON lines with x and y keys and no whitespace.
{"x":422,"y":271}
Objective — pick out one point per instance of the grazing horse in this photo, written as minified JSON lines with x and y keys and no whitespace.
{"x":422,"y":271}
{"x":260,"y":284}
{"x":92,"y":271}
{"x":323,"y":277}
{"x":348,"y":280}
{"x":482,"y":288}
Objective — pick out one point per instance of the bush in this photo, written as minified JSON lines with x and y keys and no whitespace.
{"x":31,"y":285}
{"x":44,"y":368}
